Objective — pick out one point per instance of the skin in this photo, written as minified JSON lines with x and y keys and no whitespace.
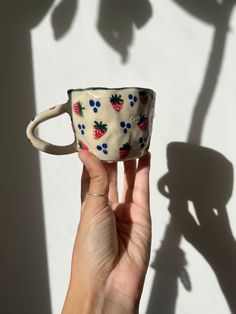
{"x":112,"y":246}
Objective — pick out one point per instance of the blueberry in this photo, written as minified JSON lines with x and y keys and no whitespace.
{"x":135,"y":98}
{"x":105,"y":151}
{"x":79,"y":126}
{"x":83,"y":126}
{"x":98,"y":104}
{"x":125,"y":131}
{"x":130,"y":96}
{"x":99,"y":147}
{"x":95,"y":110}
{"x":122,"y":124}
{"x":91,"y":102}
{"x":131,"y":103}
{"x":140,"y":140}
{"x":104,"y":145}
{"x":142,"y":145}
{"x":128,"y":125}
{"x":82,"y":132}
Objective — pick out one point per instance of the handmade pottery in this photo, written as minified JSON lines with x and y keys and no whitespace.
{"x":113,"y":123}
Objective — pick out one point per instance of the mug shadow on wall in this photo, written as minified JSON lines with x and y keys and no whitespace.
{"x":117,"y":19}
{"x":204,"y":177}
{"x":24,"y":280}
{"x":164,"y":300}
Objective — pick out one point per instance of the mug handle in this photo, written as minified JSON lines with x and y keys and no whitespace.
{"x":162,"y":184}
{"x":43,"y":145}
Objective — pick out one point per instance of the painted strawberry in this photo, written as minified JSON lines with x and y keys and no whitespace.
{"x":99,"y":129}
{"x":82,"y":145}
{"x":143,"y":96}
{"x":124,"y":150}
{"x":78,"y":109}
{"x":143,"y":122}
{"x":117,"y":102}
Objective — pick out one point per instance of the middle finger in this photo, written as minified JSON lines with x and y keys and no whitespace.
{"x":112,"y":178}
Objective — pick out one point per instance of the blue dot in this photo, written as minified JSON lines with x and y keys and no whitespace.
{"x":79,"y":126}
{"x":82,"y":132}
{"x":140,"y":140}
{"x":99,"y":147}
{"x":131,"y":103}
{"x":130,"y":96}
{"x":135,"y":98}
{"x":83,"y":126}
{"x":98,"y":104}
{"x":91,"y":102}
{"x":142,"y":145}
{"x":122,"y":124}
{"x":104,"y":145}
{"x":128,"y":125}
{"x":105,"y":151}
{"x":95,"y":110}
{"x":125,"y":131}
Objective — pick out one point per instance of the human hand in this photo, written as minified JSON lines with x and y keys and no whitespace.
{"x":112,"y":246}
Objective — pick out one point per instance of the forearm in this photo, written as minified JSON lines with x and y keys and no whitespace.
{"x":224,"y":266}
{"x":78,"y":302}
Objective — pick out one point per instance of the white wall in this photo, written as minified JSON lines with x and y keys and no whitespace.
{"x":170,"y":54}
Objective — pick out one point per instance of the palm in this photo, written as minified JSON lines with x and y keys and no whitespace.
{"x":133,"y":238}
{"x":119,"y":237}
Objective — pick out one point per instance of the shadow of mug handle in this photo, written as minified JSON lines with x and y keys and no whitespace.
{"x":43,"y":145}
{"x":162,"y":184}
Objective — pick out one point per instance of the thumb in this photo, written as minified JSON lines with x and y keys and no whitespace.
{"x":97,"y":173}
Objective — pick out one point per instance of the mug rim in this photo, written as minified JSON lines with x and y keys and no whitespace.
{"x":69,"y":91}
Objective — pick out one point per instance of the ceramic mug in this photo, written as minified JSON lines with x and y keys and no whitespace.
{"x":113,"y":123}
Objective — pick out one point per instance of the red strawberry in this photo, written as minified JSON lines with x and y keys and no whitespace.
{"x":117,"y":102}
{"x":124,"y":150}
{"x":143,"y":123}
{"x":78,"y":109}
{"x":82,"y":145}
{"x":143,"y":96}
{"x":99,"y":129}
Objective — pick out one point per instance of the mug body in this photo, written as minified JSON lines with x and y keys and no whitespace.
{"x":113,"y":123}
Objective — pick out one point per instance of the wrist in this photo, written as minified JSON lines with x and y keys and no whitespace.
{"x":97,"y":301}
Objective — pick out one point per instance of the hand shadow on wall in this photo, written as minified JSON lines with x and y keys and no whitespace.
{"x":24,"y":280}
{"x":218,"y":14}
{"x":204,"y":177}
{"x":117,"y":19}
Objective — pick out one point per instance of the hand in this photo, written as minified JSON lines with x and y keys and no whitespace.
{"x":112,"y":246}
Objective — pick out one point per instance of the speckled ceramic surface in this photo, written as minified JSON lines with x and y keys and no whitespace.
{"x":113,"y":123}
